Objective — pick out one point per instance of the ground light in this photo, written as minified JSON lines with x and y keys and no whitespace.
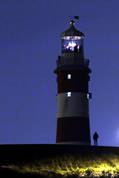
{"x":70,"y":166}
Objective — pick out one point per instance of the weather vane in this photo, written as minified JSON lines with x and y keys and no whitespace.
{"x":74,"y":19}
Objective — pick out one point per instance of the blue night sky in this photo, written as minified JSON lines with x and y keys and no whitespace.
{"x":29,"y":47}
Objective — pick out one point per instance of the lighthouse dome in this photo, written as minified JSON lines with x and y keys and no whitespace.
{"x":72,"y":31}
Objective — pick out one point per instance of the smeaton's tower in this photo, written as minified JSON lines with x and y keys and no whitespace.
{"x":72,"y":89}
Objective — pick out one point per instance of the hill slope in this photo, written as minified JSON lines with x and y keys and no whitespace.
{"x":58,"y":160}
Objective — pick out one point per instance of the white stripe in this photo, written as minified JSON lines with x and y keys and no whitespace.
{"x":77,"y":105}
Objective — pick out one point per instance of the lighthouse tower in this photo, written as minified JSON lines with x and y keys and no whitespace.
{"x":72,"y":89}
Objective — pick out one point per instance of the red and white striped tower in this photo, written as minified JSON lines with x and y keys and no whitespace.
{"x":73,"y":92}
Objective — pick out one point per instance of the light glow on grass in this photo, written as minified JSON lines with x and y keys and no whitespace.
{"x":95,"y":166}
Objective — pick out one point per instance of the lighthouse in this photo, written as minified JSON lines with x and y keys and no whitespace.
{"x":73,"y":95}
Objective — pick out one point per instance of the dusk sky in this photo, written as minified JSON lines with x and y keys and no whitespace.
{"x":29,"y":46}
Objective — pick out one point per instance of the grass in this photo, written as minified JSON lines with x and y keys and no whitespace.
{"x":72,"y":166}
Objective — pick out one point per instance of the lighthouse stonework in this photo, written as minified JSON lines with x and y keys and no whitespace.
{"x":73,"y":95}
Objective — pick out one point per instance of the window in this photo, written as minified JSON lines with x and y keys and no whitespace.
{"x":69,"y":76}
{"x":71,"y":44}
{"x":68,"y":94}
{"x":88,"y":97}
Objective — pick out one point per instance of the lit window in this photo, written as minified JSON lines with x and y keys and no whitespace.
{"x":88,"y":96}
{"x":69,"y":76}
{"x":69,"y":94}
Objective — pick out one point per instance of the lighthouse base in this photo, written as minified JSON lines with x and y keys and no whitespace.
{"x":73,"y":130}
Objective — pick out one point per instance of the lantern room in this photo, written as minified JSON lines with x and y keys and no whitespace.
{"x":72,"y":40}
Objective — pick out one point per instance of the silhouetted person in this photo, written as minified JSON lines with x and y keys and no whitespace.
{"x":95,"y":138}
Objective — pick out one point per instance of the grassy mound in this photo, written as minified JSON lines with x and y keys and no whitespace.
{"x":72,"y":166}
